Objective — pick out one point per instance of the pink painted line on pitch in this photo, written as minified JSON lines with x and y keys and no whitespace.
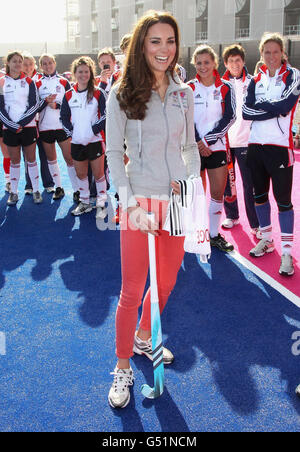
{"x":243,"y":240}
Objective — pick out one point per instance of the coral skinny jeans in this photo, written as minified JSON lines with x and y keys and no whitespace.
{"x":135,"y":266}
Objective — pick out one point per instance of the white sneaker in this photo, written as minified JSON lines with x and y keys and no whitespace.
{"x":81,"y":209}
{"x":145,"y":348}
{"x":287,"y":265}
{"x":12,"y":199}
{"x":229,"y":223}
{"x":119,"y":394}
{"x":257,"y":232}
{"x":262,"y":248}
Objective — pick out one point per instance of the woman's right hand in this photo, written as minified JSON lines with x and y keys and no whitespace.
{"x":140,"y":220}
{"x":105,"y":75}
{"x":175,"y":187}
{"x":204,"y":150}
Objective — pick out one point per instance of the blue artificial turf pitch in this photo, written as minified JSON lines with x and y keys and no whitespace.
{"x":60,"y":281}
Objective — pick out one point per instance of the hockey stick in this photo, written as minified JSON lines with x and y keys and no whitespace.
{"x":157,"y":347}
{"x":231,"y":175}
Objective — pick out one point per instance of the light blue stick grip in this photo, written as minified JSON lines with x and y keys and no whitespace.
{"x":157,"y":347}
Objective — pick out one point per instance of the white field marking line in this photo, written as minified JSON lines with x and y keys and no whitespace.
{"x":265,"y":277}
{"x":2,"y":344}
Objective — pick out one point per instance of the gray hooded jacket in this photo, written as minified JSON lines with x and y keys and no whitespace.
{"x":161,"y":148}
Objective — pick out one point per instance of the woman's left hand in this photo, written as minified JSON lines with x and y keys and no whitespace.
{"x":176,"y":187}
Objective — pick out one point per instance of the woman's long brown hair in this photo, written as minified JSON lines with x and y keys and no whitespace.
{"x":138,"y":80}
{"x":87,"y":61}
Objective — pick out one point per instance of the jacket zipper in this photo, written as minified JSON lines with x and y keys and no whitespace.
{"x":164,"y":104}
{"x":168,"y":136}
{"x":280,"y":126}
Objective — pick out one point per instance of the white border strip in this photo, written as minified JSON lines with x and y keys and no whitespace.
{"x":2,"y":344}
{"x":265,"y":277}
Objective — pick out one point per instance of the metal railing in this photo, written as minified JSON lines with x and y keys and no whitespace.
{"x":291,"y":30}
{"x":242,"y":33}
{"x":201,"y":36}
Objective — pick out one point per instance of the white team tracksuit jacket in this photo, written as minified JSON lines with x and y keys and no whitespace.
{"x":215,"y":112}
{"x":84,"y":120}
{"x":47,"y":85}
{"x":19,"y":102}
{"x":271,"y":103}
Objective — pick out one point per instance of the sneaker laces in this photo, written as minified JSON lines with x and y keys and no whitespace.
{"x":82,"y":206}
{"x":262,"y":245}
{"x":287,"y":264}
{"x":221,"y":238}
{"x":146,"y":346}
{"x":122,"y":380}
{"x":287,"y":259}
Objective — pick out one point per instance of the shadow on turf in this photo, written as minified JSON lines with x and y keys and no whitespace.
{"x":95,"y":270}
{"x":33,"y":232}
{"x":236,"y":322}
{"x":30,"y":232}
{"x":129,"y":416}
{"x":228,"y":316}
{"x":173,"y":422}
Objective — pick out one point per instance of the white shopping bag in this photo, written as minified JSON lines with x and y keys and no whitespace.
{"x":196,"y":223}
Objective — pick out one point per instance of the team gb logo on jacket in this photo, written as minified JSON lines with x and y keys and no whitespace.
{"x":183,"y":97}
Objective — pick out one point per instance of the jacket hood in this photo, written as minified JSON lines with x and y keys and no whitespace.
{"x":175,"y":84}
